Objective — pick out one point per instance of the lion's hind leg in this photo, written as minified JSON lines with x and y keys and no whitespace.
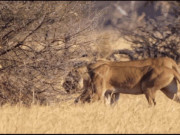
{"x":157,"y":81}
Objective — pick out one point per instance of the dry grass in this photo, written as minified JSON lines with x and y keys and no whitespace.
{"x":131,"y":115}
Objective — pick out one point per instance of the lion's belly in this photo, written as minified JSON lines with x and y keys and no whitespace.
{"x":134,"y":90}
{"x":126,"y":87}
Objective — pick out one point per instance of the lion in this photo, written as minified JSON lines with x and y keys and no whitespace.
{"x":161,"y":61}
{"x":109,"y":79}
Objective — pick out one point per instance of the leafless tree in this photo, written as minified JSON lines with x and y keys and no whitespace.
{"x":154,"y":37}
{"x":40,"y":41}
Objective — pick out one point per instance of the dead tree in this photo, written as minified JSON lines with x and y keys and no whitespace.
{"x":156,"y":37}
{"x":38,"y":42}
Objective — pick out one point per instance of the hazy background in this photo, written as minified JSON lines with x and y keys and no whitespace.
{"x":41,"y":42}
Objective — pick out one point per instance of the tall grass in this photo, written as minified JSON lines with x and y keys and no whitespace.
{"x":130,"y":115}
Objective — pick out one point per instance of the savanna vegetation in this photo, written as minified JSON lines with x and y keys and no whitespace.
{"x":42,"y":41}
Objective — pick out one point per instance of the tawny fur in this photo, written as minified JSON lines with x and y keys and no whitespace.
{"x":101,"y":69}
